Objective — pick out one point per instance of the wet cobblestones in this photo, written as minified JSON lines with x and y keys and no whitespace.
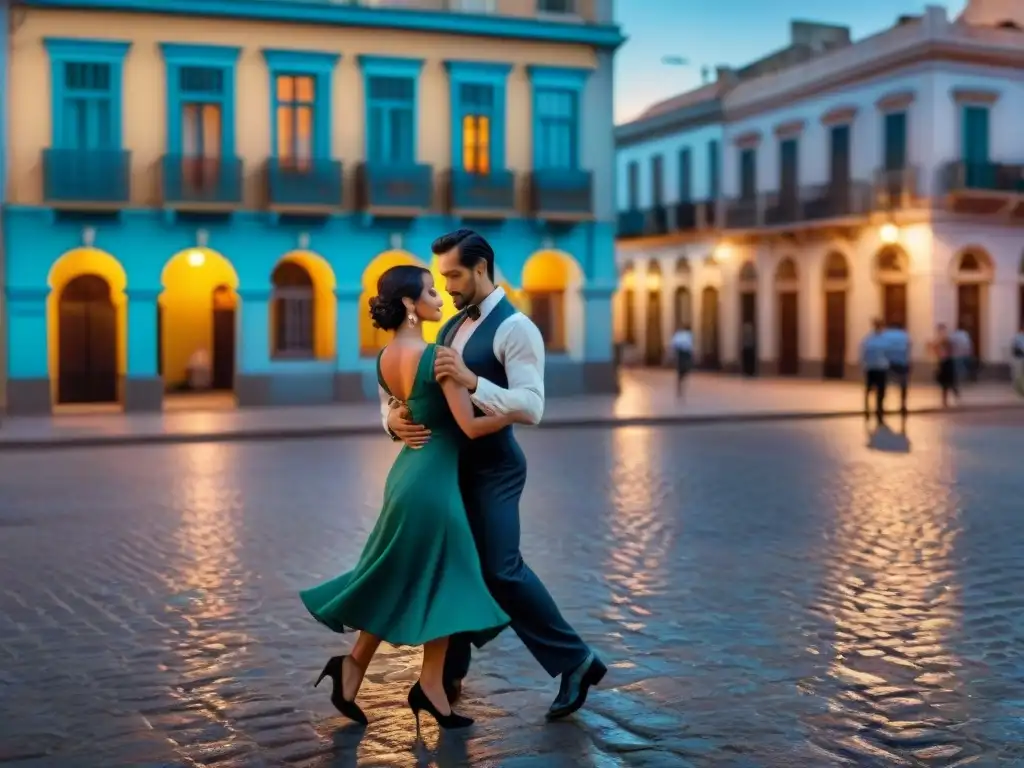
{"x":780,"y":595}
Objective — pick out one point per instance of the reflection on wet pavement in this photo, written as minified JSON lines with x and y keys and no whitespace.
{"x":786,"y":595}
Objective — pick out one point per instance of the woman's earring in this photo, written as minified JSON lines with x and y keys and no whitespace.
{"x":413,"y":319}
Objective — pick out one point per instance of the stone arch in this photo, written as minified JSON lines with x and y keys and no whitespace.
{"x":683,"y":271}
{"x":371,"y":339}
{"x":972,"y":265}
{"x":748,"y":318}
{"x":303,"y":312}
{"x":786,"y":271}
{"x":66,"y":270}
{"x":836,"y":271}
{"x":747,"y":275}
{"x":654,"y":343}
{"x":197,"y":315}
{"x":551,"y":281}
{"x":836,"y":285}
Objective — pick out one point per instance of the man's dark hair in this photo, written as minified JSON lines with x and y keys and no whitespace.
{"x":472,"y":248}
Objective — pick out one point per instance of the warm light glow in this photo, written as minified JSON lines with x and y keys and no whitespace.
{"x":720,"y":254}
{"x":889,"y":233}
{"x":196,"y":258}
{"x":653,"y":281}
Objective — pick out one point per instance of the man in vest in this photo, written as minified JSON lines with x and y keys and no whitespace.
{"x":497,"y":353}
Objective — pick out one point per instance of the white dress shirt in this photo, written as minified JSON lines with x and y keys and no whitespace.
{"x":519,"y":347}
{"x":682,"y":341}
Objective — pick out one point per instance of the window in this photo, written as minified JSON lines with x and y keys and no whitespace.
{"x":633,"y":181}
{"x":839,"y":155}
{"x":300,"y":83}
{"x":895,"y":141}
{"x":788,"y":170}
{"x":478,"y":115}
{"x":201,"y":126}
{"x":685,"y":176}
{"x":713,"y":171}
{"x":477,"y":104}
{"x":748,"y":174}
{"x":657,"y":180}
{"x":974,"y":139}
{"x":86,"y":90}
{"x":556,"y":6}
{"x":293,"y":311}
{"x":557,"y":128}
{"x":296,"y":95}
{"x":392,"y":118}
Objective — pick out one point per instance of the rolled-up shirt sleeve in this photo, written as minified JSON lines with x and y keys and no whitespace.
{"x":385,"y":410}
{"x":521,"y":352}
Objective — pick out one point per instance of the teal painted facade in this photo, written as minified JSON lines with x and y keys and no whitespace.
{"x":572,"y":167}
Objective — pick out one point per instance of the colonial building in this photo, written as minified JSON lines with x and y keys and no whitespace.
{"x":876,"y":178}
{"x":195,"y":178}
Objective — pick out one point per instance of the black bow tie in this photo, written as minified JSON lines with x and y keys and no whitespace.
{"x":473,"y":312}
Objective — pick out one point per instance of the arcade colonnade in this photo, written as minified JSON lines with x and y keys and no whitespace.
{"x":805,"y":311}
{"x":92,"y":330}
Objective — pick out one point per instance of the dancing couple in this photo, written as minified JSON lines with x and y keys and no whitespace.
{"x":442,"y":567}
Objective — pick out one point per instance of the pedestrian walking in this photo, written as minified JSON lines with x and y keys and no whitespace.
{"x":946,"y":371}
{"x":897,"y":350}
{"x":682,"y":345}
{"x":875,"y":362}
{"x":1017,"y":361}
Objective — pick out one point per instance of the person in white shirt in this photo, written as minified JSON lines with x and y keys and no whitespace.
{"x":497,"y":353}
{"x":963,"y":354}
{"x":682,"y":344}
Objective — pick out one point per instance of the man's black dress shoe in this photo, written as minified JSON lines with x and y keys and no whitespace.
{"x":572,"y":693}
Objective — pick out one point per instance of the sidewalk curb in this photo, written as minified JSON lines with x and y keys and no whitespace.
{"x":606,"y":422}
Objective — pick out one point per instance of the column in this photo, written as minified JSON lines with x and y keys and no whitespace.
{"x":348,"y":374}
{"x":252,"y":376}
{"x":143,"y":387}
{"x":28,"y":366}
{"x":599,"y":371}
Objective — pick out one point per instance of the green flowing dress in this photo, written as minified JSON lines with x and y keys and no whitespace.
{"x":419,"y":576}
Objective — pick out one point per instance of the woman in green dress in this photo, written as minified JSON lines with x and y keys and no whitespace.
{"x":418,"y":580}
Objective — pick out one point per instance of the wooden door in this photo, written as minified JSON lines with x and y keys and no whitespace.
{"x":748,"y":316}
{"x":654,"y":353}
{"x":223,"y":363}
{"x":968,"y":314}
{"x":87,"y":340}
{"x":894,"y":305}
{"x":789,"y":334}
{"x":709,"y":328}
{"x":835,"y":334}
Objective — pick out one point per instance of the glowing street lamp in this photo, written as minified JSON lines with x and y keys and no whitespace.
{"x":889,"y":233}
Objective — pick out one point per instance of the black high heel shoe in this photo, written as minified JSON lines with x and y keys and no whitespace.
{"x":418,"y":701}
{"x":334,"y":669}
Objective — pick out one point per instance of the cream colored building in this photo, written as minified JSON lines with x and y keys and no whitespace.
{"x":876,"y":178}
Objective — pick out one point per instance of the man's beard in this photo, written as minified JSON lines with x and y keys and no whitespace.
{"x":463,"y":300}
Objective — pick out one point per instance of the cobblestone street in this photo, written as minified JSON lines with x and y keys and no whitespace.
{"x":785,"y":595}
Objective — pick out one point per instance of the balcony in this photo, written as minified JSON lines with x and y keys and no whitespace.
{"x":630,"y":224}
{"x":549,"y":10}
{"x":562,"y":194}
{"x":201,"y":184}
{"x":984,"y":188}
{"x":395,"y":191}
{"x":304,"y":186}
{"x":481,"y":195}
{"x":86,"y":180}
{"x":806,"y":206}
{"x":896,"y":188}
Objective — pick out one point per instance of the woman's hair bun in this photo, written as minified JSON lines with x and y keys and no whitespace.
{"x":386,"y":314}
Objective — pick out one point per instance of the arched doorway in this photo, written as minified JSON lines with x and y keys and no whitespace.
{"x":748,"y":318}
{"x":293,"y":311}
{"x":303,"y":311}
{"x":1020,"y":295}
{"x":87,"y":340}
{"x":891,"y":273}
{"x":551,"y":297}
{"x":371,"y":339}
{"x":787,"y":292}
{"x":87,"y":327}
{"x":198,"y":321}
{"x":836,"y":284}
{"x":683,"y":303}
{"x":972,"y":274}
{"x":225,"y":318}
{"x":654,"y":346}
{"x":709,"y":313}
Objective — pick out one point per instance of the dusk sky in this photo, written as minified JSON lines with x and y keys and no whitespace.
{"x":733,"y":32}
